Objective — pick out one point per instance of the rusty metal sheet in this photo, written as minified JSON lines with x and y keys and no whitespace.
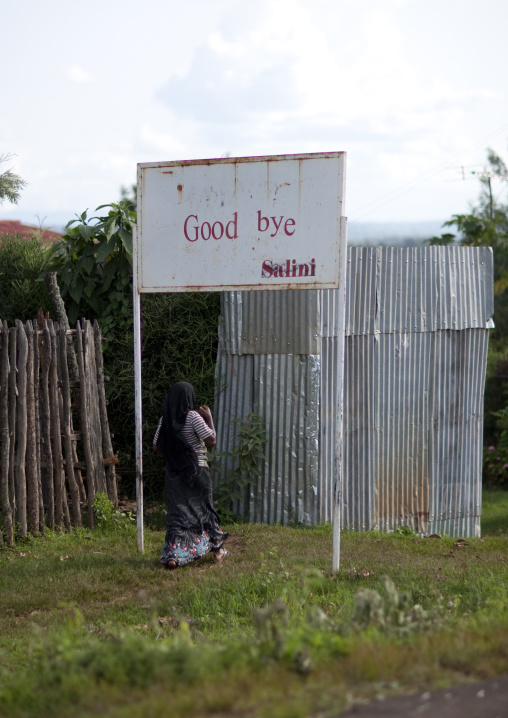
{"x":418,"y":289}
{"x":413,"y":410}
{"x":413,"y":437}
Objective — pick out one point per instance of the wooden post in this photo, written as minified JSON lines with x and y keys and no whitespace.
{"x":67,"y":430}
{"x":55,"y":430}
{"x":79,"y":478}
{"x":47,"y":475}
{"x":12,"y":416}
{"x":21,"y":431}
{"x":32,"y":487}
{"x":107,"y":448}
{"x":5,"y":437}
{"x":75,"y":402}
{"x":65,"y":503}
{"x":92,"y":405}
{"x":37,"y":344}
{"x":85,"y":431}
{"x":61,"y":315}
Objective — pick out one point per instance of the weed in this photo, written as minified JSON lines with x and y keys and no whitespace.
{"x":404,"y":531}
{"x":392,"y":611}
{"x":107,"y":518}
{"x":248,"y":452}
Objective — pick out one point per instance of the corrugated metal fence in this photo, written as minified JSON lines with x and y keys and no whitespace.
{"x":417,"y":324}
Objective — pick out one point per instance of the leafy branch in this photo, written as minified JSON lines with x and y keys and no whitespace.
{"x":94,"y":264}
{"x":248,"y":452}
{"x":11,"y":184}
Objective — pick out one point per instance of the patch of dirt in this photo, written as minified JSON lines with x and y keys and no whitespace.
{"x":125,"y":505}
{"x":488,"y":699}
{"x":359,"y":572}
{"x":236,"y":541}
{"x":168,"y":621}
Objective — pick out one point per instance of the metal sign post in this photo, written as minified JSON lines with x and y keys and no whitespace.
{"x":138,"y":397}
{"x":245,"y":223}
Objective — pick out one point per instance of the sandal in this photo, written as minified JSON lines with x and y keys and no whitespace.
{"x":220,"y":555}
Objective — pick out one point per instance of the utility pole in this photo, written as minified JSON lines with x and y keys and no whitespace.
{"x":486,"y":178}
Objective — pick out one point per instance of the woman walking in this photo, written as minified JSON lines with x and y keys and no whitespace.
{"x":182,"y":437}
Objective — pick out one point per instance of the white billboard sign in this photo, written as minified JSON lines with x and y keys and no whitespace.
{"x":241,"y":223}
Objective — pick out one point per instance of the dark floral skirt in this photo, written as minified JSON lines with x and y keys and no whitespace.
{"x":192,"y":523}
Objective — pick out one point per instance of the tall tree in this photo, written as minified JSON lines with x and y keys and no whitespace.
{"x":486,"y":225}
{"x":11,"y":184}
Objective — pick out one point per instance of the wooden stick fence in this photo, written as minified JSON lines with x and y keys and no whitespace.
{"x":44,"y":394}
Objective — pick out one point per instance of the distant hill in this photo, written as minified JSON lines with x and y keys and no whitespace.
{"x":398,"y":234}
{"x":11,"y":227}
{"x":50,"y":221}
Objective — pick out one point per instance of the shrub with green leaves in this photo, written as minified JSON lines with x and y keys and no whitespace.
{"x":107,"y":518}
{"x":22,"y":293}
{"x":94,"y":264}
{"x":393,"y":612}
{"x":495,"y":467}
{"x":248,"y":453}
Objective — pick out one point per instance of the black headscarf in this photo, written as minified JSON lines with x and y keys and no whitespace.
{"x":179,"y":455}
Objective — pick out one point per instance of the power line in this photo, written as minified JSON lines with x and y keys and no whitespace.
{"x":399,"y":191}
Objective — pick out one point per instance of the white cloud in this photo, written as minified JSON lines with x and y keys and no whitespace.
{"x":78,"y":75}
{"x":400,"y":91}
{"x":162,"y":141}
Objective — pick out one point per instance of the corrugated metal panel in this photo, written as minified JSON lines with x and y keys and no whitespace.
{"x":410,"y":289}
{"x":413,"y":395}
{"x":360,"y":425}
{"x":234,"y":398}
{"x":276,"y":322}
{"x":469,"y":526}
{"x":456,"y":443}
{"x":418,"y":289}
{"x":413,"y":414}
{"x":287,"y":397}
{"x":330,"y":319}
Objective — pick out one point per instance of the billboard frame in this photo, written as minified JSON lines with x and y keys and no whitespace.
{"x":140,"y":286}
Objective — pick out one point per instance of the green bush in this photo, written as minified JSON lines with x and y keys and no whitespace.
{"x":94,"y":264}
{"x":22,"y":293}
{"x":248,"y":453}
{"x":179,"y":342}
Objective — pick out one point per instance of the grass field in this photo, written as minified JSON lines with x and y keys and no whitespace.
{"x":88,"y":626}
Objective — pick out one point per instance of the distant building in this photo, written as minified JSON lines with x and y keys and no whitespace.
{"x":14,"y":226}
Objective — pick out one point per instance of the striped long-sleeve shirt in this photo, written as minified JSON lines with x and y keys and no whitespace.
{"x":194,"y":432}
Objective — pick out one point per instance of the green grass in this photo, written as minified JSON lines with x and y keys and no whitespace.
{"x":495,"y":513}
{"x":88,"y":626}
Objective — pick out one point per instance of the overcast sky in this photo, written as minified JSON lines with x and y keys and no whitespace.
{"x":411,"y":90}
